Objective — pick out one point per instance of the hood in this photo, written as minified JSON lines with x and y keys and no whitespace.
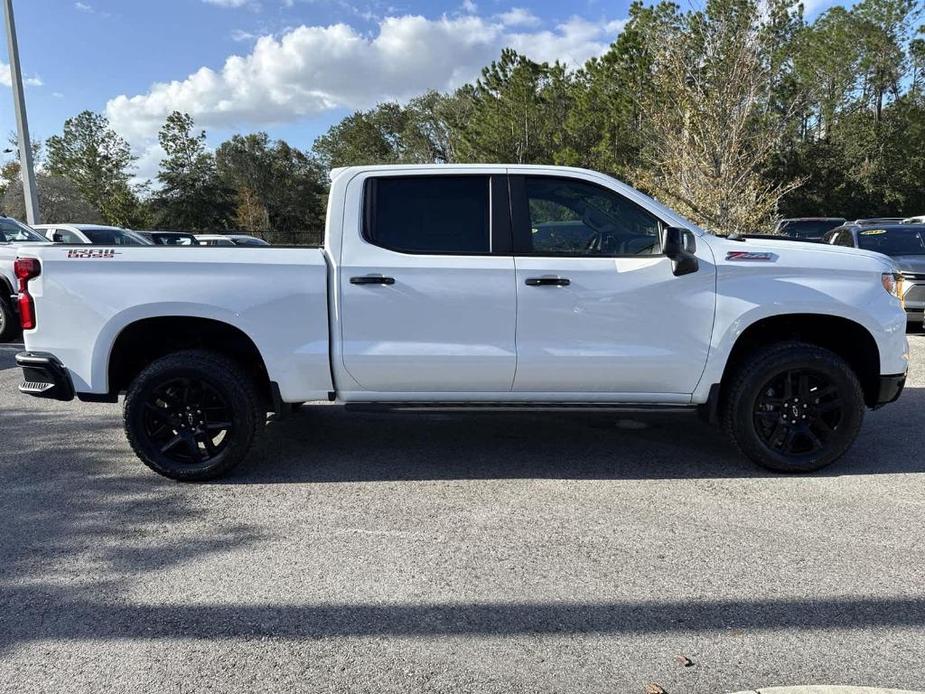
{"x":800,"y":254}
{"x":912,"y":264}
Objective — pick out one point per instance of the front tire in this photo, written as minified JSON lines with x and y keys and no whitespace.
{"x":192,"y":415}
{"x":794,"y":407}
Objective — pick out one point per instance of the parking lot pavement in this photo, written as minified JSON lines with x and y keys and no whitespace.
{"x":396,"y":553}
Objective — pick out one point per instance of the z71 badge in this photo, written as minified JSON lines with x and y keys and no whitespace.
{"x":751,"y":255}
{"x":84,"y":253}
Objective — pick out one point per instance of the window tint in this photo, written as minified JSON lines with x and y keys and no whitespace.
{"x":111,"y":237}
{"x":435,"y":214}
{"x":65,"y":236}
{"x":11,"y":230}
{"x":569,"y":217}
{"x":844,"y":238}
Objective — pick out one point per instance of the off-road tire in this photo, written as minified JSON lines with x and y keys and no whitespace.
{"x":751,"y":381}
{"x":221,"y":376}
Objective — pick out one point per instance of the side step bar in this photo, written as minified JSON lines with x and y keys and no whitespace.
{"x":514,"y":407}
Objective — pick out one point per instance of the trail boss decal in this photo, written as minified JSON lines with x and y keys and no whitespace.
{"x":84,"y":253}
{"x":751,"y":255}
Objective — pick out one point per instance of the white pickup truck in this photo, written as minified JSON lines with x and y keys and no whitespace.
{"x":13,"y":235}
{"x":455,"y":286}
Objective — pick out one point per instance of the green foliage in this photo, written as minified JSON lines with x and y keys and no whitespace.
{"x":97,"y":161}
{"x":192,"y":197}
{"x":733,"y":112}
{"x":279,"y":190}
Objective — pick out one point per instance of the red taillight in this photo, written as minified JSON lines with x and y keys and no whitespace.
{"x":26,"y":269}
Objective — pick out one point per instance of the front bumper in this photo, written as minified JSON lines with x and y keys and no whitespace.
{"x":891,"y":387}
{"x":44,"y":376}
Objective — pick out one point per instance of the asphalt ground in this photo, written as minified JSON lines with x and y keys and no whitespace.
{"x":482,"y":552}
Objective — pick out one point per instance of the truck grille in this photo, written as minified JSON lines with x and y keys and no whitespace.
{"x":916,"y":294}
{"x":913,"y":276}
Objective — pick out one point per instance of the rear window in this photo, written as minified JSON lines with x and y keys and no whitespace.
{"x":110,"y":237}
{"x":892,"y":241}
{"x":809,"y":228}
{"x":434,"y":215}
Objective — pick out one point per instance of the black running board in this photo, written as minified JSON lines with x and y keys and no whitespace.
{"x":515,"y":407}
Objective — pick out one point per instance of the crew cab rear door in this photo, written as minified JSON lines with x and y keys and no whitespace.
{"x":427,"y":301}
{"x":598,"y":306}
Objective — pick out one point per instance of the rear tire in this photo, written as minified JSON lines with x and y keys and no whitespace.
{"x":192,"y":415}
{"x":794,"y":407}
{"x":9,"y":325}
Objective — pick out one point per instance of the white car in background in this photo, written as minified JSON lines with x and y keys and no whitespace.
{"x":13,"y":236}
{"x":229,"y":240}
{"x":95,"y":234}
{"x":915,"y":220}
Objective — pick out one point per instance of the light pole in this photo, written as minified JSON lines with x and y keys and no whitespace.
{"x":22,"y":125}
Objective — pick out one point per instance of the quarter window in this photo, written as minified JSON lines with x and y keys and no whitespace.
{"x":577,"y":218}
{"x":438,"y":215}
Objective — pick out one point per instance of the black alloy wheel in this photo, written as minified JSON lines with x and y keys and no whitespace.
{"x":189,"y":420}
{"x":793,"y":406}
{"x":193,"y":415}
{"x":798,"y":412}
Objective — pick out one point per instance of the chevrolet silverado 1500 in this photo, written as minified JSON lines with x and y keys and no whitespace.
{"x":455,"y":286}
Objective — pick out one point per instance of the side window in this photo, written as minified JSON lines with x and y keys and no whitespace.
{"x":577,"y":218}
{"x":65,"y":236}
{"x":844,"y":238}
{"x":434,"y":214}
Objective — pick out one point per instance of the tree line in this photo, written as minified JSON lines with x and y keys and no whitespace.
{"x":734,"y":114}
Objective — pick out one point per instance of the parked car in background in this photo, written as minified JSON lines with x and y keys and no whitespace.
{"x":95,"y":234}
{"x":229,"y":240}
{"x":915,"y":220}
{"x":905,"y":244}
{"x":807,"y":228}
{"x":13,"y":236}
{"x":169,"y":238}
{"x":246,"y":240}
{"x":879,"y":220}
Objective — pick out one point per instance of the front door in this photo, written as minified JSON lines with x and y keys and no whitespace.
{"x":427,"y":293}
{"x":598,"y":307}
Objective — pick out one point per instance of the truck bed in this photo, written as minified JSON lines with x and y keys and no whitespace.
{"x":87,"y":295}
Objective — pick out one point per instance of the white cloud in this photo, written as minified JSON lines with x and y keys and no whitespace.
{"x":311,"y":69}
{"x":7,"y":81}
{"x":83,"y":7}
{"x":470,"y":7}
{"x":518,"y":16}
{"x":241,"y":35}
{"x":228,"y":3}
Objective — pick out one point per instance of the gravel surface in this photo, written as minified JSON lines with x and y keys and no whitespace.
{"x":498,"y":553}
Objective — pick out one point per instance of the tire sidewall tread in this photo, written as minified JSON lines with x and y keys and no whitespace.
{"x":221,"y":372}
{"x":754,"y":373}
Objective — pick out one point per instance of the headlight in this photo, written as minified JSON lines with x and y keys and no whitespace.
{"x":893,"y":283}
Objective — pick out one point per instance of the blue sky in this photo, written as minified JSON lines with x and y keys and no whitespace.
{"x":290,"y":67}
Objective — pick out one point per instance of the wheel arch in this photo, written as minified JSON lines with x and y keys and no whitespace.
{"x":847,"y":338}
{"x":142,"y":341}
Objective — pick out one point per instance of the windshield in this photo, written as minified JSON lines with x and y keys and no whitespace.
{"x":111,"y":237}
{"x":810,"y":228}
{"x":12,"y":231}
{"x":893,"y":241}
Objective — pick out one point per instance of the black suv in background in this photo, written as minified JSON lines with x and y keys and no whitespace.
{"x":807,"y":228}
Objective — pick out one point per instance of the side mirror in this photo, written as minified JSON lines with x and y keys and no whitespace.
{"x":680,"y":245}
